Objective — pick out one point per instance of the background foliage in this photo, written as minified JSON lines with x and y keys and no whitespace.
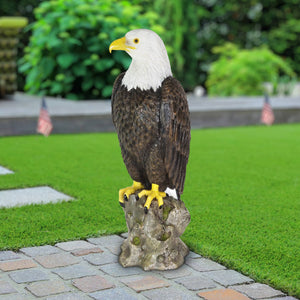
{"x":241,"y":72}
{"x":68,"y":50}
{"x":181,"y":23}
{"x":194,"y":27}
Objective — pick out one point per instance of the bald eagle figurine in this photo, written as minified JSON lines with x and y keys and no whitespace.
{"x":151,"y":116}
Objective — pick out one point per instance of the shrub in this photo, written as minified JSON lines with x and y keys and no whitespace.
{"x":243,"y":72}
{"x":246,"y":24}
{"x":68,"y":51}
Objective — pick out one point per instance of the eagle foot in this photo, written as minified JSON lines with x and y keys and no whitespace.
{"x":126,"y":192}
{"x":154,"y":193}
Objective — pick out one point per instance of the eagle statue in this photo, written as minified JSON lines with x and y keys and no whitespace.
{"x":151,"y":116}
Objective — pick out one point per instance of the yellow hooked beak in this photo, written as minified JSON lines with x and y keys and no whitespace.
{"x":119,"y":44}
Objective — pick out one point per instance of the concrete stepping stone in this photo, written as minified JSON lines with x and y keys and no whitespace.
{"x":27,"y":196}
{"x":4,"y":171}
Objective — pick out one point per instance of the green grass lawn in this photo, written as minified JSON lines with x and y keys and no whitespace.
{"x":242,"y":190}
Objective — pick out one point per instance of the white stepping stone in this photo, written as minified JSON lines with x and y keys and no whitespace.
{"x":4,"y":171}
{"x":35,"y":195}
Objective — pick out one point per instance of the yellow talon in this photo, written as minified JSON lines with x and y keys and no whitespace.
{"x":154,"y":193}
{"x":126,"y":192}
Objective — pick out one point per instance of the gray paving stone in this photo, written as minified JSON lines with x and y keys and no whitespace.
{"x":181,"y":272}
{"x":116,"y":294}
{"x":16,"y":297}
{"x":39,"y":251}
{"x":227,"y":277}
{"x":75,"y":271}
{"x":68,"y":296}
{"x":204,"y":264}
{"x":75,"y":245}
{"x":83,"y":252}
{"x":196,"y":282}
{"x":47,"y":288}
{"x":124,"y":235}
{"x":257,"y":290}
{"x":115,"y":249}
{"x":143,"y":283}
{"x":170,"y":293}
{"x":117,"y":270}
{"x":24,"y":276}
{"x":5,"y":171}
{"x":281,"y":298}
{"x":19,"y":264}
{"x":91,"y":284}
{"x":8,"y":255}
{"x":98,"y":259}
{"x":27,"y":196}
{"x":107,"y":240}
{"x":6,"y":288}
{"x":193,"y":255}
{"x":57,"y":260}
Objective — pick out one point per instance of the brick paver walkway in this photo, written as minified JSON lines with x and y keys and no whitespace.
{"x":90,"y":270}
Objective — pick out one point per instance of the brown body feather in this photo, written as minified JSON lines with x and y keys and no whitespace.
{"x":154,"y":132}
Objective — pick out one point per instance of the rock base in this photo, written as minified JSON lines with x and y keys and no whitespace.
{"x":153,"y":241}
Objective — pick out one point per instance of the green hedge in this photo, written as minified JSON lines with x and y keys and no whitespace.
{"x":68,"y":51}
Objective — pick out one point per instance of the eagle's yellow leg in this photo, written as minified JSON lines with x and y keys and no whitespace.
{"x":154,"y":193}
{"x":126,"y":192}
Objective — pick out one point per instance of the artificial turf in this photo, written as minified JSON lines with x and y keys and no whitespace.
{"x":242,"y":190}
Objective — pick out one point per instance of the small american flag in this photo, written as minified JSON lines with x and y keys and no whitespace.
{"x":267,"y":116}
{"x":44,"y":125}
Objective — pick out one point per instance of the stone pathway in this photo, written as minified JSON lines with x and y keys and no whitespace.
{"x":90,"y":270}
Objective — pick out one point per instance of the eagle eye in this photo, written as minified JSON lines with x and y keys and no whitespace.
{"x":136,"y":40}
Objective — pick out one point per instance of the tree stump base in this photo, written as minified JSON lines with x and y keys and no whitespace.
{"x":153,"y":241}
